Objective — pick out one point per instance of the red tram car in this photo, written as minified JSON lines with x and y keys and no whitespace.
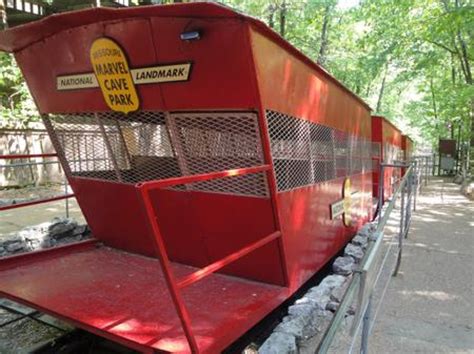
{"x":217,"y":166}
{"x":387,"y":140}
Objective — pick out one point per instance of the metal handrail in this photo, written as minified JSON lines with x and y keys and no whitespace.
{"x":65,"y":196}
{"x":26,"y":156}
{"x":174,"y":286}
{"x":356,"y":280}
{"x":175,"y":181}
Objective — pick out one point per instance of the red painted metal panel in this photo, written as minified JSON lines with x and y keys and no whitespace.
{"x":303,"y":91}
{"x":311,"y":237}
{"x":123,"y":297}
{"x":213,"y":83}
{"x":210,"y":229}
{"x":214,"y":267}
{"x":35,"y":256}
{"x":221,"y":80}
{"x":114,"y":213}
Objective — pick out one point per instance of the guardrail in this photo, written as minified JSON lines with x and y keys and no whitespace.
{"x":176,"y":285}
{"x":65,"y":196}
{"x":423,"y":167}
{"x":364,"y":280}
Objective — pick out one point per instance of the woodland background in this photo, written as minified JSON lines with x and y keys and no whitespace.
{"x":410,"y":60}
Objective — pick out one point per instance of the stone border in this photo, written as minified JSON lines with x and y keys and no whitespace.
{"x":302,"y":329}
{"x":53,"y":233}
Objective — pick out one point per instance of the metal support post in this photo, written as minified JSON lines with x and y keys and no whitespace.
{"x":426,"y":171}
{"x":160,"y":250}
{"x":109,"y":148}
{"x":65,"y":193}
{"x":364,"y":343}
{"x":415,"y":176}
{"x":401,"y":232}
{"x":408,"y":206}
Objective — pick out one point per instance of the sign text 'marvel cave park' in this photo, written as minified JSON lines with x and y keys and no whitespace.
{"x":113,"y":75}
{"x":116,"y":80}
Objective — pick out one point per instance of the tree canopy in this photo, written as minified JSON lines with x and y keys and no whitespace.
{"x":411,"y":60}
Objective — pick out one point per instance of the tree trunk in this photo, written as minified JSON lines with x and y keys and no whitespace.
{"x":283,"y":18}
{"x":324,"y":36}
{"x":433,"y":98}
{"x":271,"y":15}
{"x":382,"y":89}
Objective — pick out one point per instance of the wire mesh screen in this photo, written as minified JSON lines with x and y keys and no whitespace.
{"x":392,"y":153}
{"x":211,"y":142}
{"x":306,"y":153}
{"x":148,"y":146}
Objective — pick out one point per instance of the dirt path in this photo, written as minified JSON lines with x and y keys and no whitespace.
{"x":428,"y":308}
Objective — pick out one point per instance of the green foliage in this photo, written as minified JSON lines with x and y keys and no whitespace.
{"x":411,"y":60}
{"x":404,"y":57}
{"x":17,"y":108}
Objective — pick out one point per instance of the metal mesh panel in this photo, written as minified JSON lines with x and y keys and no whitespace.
{"x":253,"y":184}
{"x":291,"y":150}
{"x":148,"y":146}
{"x":342,"y":153}
{"x":391,"y":153}
{"x":210,"y":142}
{"x":83,"y":146}
{"x":306,"y":153}
{"x":376,"y":149}
{"x":322,"y":153}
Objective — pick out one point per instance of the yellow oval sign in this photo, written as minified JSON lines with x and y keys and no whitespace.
{"x":113,"y":75}
{"x":347,"y":216}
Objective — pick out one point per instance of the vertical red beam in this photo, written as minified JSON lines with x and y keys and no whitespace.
{"x":268,"y":160}
{"x":160,"y":249}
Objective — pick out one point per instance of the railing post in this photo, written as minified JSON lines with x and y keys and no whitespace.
{"x":426,"y":172}
{"x":65,"y":193}
{"x":408,"y":206}
{"x":402,"y":230}
{"x":112,"y":156}
{"x":160,"y":249}
{"x":364,"y":343}
{"x":415,"y":176}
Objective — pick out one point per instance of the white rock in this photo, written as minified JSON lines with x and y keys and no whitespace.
{"x":354,"y":251}
{"x":279,"y":343}
{"x":15,"y":247}
{"x":332,"y":281}
{"x":360,"y":241}
{"x":343,"y":265}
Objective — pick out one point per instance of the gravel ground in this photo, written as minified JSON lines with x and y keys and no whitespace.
{"x":429,"y":308}
{"x":22,"y":335}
